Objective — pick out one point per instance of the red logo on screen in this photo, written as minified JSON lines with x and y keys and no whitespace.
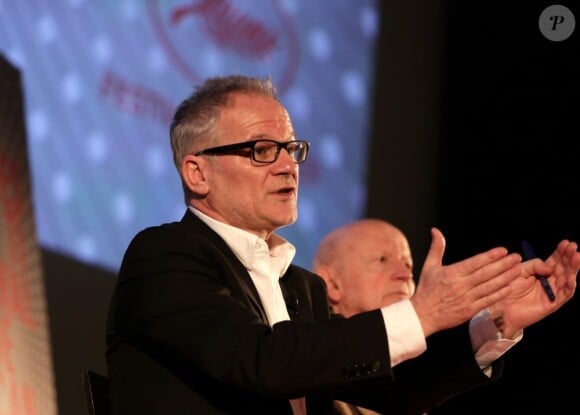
{"x":256,"y":38}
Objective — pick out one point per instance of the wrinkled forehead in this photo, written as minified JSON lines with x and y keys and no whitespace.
{"x":377,"y":236}
{"x":246,"y":104}
{"x":254,"y":115}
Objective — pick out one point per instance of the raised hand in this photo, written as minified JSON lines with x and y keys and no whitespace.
{"x":448,"y":295}
{"x":528,"y":303}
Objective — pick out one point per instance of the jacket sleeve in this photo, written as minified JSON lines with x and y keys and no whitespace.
{"x":446,"y":369}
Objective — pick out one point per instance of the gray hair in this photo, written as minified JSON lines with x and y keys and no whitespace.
{"x":195,"y":117}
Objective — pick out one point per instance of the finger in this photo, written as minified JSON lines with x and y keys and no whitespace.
{"x":497,"y":275}
{"x":536,"y":266}
{"x":558,"y":261}
{"x":573,"y":255}
{"x":566,"y":253}
{"x":480,"y":262}
{"x":565,"y":259}
{"x":572,"y":265}
{"x":436,"y":250}
{"x":492,"y":298}
{"x":563,"y":246}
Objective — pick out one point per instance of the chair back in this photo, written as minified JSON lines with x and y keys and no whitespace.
{"x":96,"y":388}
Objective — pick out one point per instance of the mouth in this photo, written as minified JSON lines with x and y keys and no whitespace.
{"x":396,"y":296}
{"x":285,"y":191}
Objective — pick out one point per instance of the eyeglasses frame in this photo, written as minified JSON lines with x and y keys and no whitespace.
{"x":228,"y":148}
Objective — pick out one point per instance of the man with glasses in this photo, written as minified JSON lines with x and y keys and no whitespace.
{"x":263,"y":151}
{"x":210,"y":316}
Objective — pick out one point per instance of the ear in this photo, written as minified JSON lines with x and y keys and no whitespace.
{"x":193,"y":173}
{"x":333,"y":284}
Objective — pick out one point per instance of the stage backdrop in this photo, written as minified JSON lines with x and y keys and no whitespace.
{"x":102,"y":80}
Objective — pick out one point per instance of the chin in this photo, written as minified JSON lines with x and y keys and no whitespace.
{"x":284,"y":223}
{"x":285,"y":220}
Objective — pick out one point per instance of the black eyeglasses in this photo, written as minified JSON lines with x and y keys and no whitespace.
{"x":264,"y":151}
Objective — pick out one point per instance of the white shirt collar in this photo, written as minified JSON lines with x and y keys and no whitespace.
{"x":250,"y":249}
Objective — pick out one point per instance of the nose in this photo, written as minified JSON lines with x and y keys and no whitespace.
{"x":403,"y":271}
{"x":403,"y":275}
{"x":286,"y":161}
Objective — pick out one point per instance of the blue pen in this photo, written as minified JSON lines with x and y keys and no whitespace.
{"x":529,"y":254}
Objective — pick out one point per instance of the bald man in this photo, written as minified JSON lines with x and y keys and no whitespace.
{"x":366,"y":264}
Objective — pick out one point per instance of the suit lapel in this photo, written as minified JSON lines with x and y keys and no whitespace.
{"x":240,"y":273}
{"x":296,"y":295}
{"x":291,"y":299}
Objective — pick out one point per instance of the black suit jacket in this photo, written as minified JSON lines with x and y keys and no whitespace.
{"x":187,"y":334}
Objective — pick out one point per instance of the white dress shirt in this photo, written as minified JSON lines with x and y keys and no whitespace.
{"x":267,"y":262}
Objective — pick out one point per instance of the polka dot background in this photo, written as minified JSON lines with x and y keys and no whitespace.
{"x":102,"y":80}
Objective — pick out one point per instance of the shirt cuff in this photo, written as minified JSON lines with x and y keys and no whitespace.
{"x":404,"y":332}
{"x":487,"y":341}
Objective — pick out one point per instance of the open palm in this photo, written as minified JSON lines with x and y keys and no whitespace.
{"x":528,"y":302}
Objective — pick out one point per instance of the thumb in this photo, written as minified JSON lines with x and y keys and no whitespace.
{"x":536,"y":267}
{"x":436,"y":250}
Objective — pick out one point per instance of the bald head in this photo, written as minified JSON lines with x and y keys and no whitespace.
{"x":366,"y":264}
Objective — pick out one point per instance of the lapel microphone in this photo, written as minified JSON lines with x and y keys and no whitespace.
{"x":292,"y":302}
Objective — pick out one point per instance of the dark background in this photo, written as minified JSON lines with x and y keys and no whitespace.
{"x":474,"y":132}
